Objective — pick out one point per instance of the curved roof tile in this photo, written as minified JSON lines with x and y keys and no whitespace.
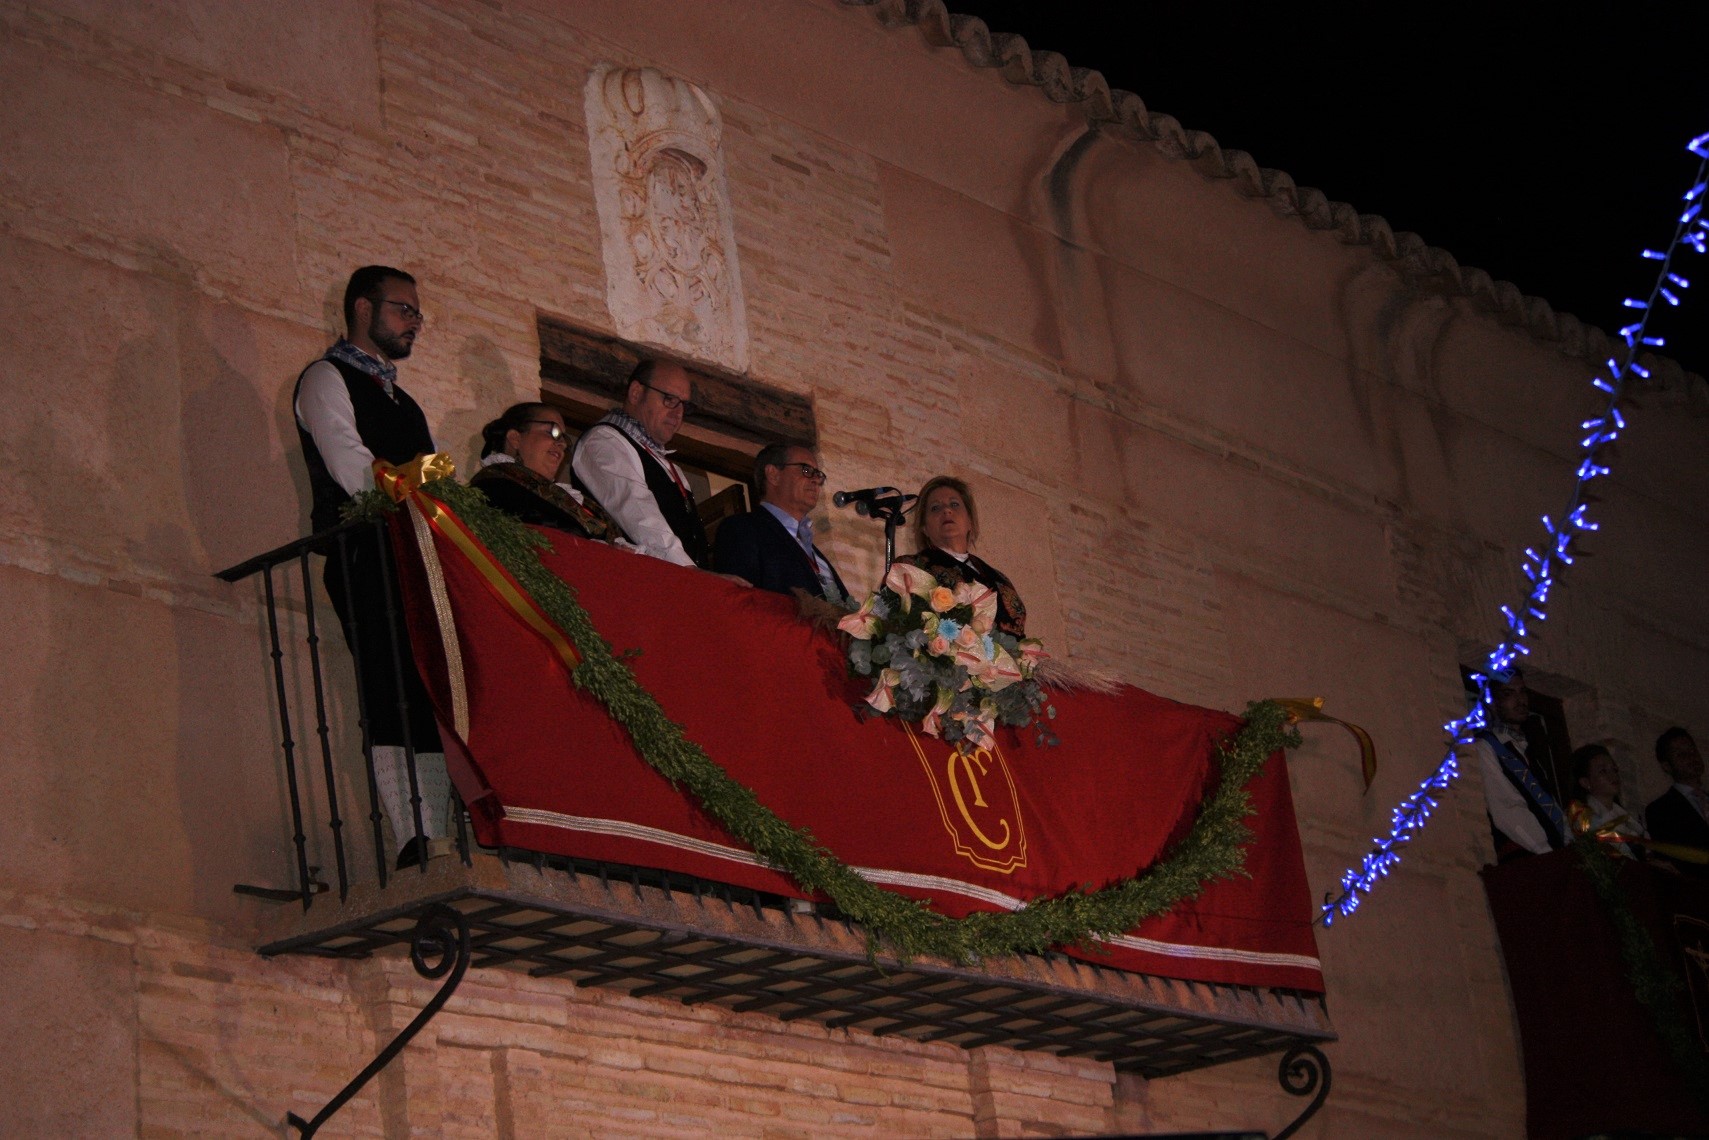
{"x":1420,"y":264}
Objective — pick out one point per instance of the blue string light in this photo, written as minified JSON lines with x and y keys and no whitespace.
{"x":1544,"y":562}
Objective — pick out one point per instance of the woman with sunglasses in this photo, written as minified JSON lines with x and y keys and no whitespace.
{"x":946,"y":524}
{"x":521,"y":454}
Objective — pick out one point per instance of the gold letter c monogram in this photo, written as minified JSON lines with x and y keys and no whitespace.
{"x":968,"y":760}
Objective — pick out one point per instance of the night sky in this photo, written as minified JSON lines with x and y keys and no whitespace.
{"x":1543,"y":146}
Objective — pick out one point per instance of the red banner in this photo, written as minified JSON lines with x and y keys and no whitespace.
{"x":769,"y":699}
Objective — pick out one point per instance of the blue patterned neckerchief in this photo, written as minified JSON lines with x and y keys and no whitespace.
{"x":631,"y":427}
{"x":382,"y":370}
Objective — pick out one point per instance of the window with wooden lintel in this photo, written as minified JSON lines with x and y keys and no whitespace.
{"x":584,"y":373}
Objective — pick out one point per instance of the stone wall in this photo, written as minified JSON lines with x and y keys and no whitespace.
{"x":1220,"y":453}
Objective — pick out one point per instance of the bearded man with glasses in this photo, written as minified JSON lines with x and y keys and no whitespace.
{"x":772,"y":545}
{"x":350,"y":411}
{"x":623,"y":463}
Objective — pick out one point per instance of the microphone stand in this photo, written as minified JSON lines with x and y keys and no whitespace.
{"x":888,"y":508}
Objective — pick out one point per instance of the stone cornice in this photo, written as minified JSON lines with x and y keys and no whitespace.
{"x":1421,"y":265}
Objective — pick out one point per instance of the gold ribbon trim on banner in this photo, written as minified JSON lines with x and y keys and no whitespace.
{"x":404,"y":483}
{"x":1311,"y":708}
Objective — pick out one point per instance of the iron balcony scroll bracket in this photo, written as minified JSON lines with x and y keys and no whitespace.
{"x":1303,"y":1071}
{"x":438,"y":947}
{"x":282,"y":894}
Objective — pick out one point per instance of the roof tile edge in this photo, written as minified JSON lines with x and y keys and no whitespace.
{"x":1419,"y":264}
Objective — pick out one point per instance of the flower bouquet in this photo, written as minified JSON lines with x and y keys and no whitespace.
{"x":937,"y":661}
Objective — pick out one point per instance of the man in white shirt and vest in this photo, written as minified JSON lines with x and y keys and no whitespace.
{"x":1524,"y":816}
{"x":624,"y":463}
{"x":350,"y":411}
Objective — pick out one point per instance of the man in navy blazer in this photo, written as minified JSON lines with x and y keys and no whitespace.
{"x":772,"y":545}
{"x":1680,"y":814}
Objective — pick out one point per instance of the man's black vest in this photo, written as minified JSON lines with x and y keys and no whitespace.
{"x":676,"y":505}
{"x":393,"y":429}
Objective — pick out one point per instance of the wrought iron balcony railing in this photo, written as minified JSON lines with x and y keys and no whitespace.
{"x":669,"y":935}
{"x":275,"y":570}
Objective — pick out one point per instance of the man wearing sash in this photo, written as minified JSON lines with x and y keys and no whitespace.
{"x":772,"y":545}
{"x":1524,"y":816}
{"x":350,"y":412}
{"x":622,"y":461}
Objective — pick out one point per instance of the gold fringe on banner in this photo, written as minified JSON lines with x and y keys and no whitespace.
{"x":447,"y":622}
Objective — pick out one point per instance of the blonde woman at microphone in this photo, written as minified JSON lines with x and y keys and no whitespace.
{"x":946,"y":525}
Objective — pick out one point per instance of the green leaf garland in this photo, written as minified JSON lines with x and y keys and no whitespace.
{"x":1211,"y":850}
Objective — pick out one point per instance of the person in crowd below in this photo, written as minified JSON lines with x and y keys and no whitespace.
{"x":521,"y":454}
{"x":350,"y":411}
{"x":946,"y":525}
{"x":772,"y":545}
{"x":1598,"y":809}
{"x":1680,"y":815}
{"x":1524,"y":817}
{"x":623,"y":463}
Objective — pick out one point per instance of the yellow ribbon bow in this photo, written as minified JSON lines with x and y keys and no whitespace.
{"x":400,"y":480}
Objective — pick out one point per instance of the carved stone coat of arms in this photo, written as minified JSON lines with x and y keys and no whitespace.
{"x":671,"y":277}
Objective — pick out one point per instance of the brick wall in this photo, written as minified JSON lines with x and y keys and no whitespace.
{"x":1222,"y":455}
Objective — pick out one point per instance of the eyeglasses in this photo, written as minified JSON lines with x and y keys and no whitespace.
{"x":670,"y":400}
{"x":410,"y":312}
{"x":553,"y":431}
{"x":808,"y":471}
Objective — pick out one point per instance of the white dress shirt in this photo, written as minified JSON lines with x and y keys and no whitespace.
{"x":609,"y":468}
{"x":1506,"y":803}
{"x":324,"y":410}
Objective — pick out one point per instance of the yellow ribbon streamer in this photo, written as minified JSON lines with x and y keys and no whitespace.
{"x":1311,"y":708}
{"x":404,"y":483}
{"x":1679,"y":853}
{"x":1578,"y":814}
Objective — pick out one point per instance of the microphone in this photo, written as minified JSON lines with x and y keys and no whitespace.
{"x":873,"y":502}
{"x":862,"y":497}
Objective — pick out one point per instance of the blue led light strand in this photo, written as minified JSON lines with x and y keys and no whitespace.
{"x":1544,"y":562}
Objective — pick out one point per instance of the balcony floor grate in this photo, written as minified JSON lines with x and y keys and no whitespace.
{"x":652,"y":935}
